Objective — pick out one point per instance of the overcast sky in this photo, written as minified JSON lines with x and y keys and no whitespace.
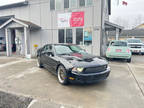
{"x":132,"y":14}
{"x":129,"y":16}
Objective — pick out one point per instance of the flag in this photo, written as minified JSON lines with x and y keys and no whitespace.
{"x":124,"y":3}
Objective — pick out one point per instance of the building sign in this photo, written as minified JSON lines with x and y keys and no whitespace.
{"x":64,"y":20}
{"x":88,"y":36}
{"x":77,"y":19}
{"x":74,"y":19}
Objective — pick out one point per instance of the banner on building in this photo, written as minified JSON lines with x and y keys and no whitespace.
{"x":74,"y":19}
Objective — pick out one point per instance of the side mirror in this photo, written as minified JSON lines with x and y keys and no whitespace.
{"x":108,"y":43}
{"x":51,"y":54}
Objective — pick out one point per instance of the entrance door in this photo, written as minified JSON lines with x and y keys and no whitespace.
{"x":13,"y":44}
{"x":17,"y":42}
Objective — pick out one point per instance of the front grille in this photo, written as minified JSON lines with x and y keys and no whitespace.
{"x":95,"y":69}
{"x":93,"y":78}
{"x":135,"y":46}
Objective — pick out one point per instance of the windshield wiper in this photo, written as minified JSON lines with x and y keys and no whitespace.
{"x":65,"y":54}
{"x":116,"y":45}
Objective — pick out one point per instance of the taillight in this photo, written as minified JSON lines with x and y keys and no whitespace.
{"x":108,"y":49}
{"x":128,"y":50}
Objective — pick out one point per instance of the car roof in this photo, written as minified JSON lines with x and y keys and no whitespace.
{"x":118,"y":41}
{"x":61,"y":44}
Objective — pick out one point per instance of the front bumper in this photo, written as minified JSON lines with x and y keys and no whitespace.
{"x":90,"y":78}
{"x":136,"y":50}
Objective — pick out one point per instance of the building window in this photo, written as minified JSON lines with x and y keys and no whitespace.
{"x":81,"y":2}
{"x":66,"y":3}
{"x":88,"y":36}
{"x":89,"y":2}
{"x":73,"y":3}
{"x":69,"y":36}
{"x":52,"y":4}
{"x":61,"y":36}
{"x":58,"y":4}
{"x":79,"y":36}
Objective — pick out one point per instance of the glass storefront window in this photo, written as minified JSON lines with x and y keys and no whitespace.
{"x":52,"y":4}
{"x":88,"y":36}
{"x":61,"y":36}
{"x":66,"y":3}
{"x":79,"y":36}
{"x":89,"y":2}
{"x":58,"y":4}
{"x":73,"y":3}
{"x":81,"y":2}
{"x":69,"y":36}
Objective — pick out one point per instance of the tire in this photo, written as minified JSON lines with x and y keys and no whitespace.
{"x":62,"y":75}
{"x":39,"y":64}
{"x":129,"y":60}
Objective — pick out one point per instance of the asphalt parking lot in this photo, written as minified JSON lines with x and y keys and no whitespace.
{"x":123,"y":89}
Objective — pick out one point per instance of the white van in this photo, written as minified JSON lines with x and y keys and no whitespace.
{"x":136,"y":45}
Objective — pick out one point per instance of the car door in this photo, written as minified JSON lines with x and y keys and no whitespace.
{"x":43,"y":52}
{"x":49,"y":58}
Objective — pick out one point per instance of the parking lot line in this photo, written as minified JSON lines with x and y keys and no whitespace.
{"x":130,"y":70}
{"x":11,"y":63}
{"x":32,"y":102}
{"x":29,"y":71}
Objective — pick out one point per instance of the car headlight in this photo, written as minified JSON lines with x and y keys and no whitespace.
{"x":79,"y":70}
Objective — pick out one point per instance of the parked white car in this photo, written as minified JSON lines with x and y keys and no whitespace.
{"x":136,"y":45}
{"x":143,"y":49}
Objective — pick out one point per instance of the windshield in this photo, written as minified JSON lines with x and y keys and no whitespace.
{"x":118,"y":43}
{"x":134,"y":41}
{"x":67,"y":49}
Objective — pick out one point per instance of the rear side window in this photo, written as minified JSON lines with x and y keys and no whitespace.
{"x":118,"y":43}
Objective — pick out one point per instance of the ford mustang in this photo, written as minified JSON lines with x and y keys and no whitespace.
{"x":70,"y":63}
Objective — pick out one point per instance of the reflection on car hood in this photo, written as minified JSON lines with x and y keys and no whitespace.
{"x":85,"y":60}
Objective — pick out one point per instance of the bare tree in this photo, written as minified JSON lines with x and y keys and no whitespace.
{"x":138,"y":20}
{"x":122,"y":22}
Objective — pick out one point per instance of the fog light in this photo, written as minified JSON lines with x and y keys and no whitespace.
{"x":71,"y":78}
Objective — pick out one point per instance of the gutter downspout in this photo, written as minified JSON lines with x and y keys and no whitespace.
{"x":101,"y":38}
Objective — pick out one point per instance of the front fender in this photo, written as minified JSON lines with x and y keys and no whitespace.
{"x":65,"y":63}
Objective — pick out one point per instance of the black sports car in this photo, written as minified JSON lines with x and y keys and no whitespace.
{"x":72,"y":64}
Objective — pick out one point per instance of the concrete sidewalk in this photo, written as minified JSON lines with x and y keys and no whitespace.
{"x":2,"y":53}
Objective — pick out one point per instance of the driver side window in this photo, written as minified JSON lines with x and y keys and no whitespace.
{"x":48,"y":48}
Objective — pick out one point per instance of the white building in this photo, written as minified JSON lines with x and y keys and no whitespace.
{"x":31,"y":24}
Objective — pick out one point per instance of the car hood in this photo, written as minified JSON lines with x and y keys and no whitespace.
{"x":84,"y":60}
